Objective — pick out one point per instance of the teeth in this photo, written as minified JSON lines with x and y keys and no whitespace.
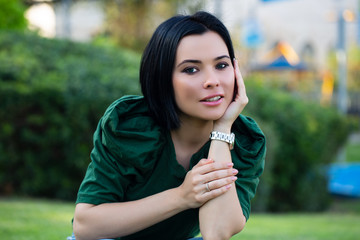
{"x":212,"y":99}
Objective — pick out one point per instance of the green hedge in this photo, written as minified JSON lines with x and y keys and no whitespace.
{"x":52,"y":94}
{"x":303,"y":138}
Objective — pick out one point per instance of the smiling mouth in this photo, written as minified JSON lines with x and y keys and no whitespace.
{"x":213,"y":99}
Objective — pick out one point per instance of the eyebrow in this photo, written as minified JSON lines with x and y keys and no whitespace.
{"x":198,"y":61}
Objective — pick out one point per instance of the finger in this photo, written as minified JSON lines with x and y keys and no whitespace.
{"x":220,"y":174}
{"x":239,"y":80}
{"x":215,"y":166}
{"x":215,"y":193}
{"x":211,"y":172}
{"x":203,"y":162}
{"x":216,"y":184}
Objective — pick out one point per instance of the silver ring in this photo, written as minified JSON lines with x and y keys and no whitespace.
{"x":207,"y":187}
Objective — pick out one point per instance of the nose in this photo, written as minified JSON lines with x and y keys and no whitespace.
{"x":211,"y":80}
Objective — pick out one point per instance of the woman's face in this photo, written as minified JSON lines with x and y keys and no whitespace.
{"x":203,"y":77}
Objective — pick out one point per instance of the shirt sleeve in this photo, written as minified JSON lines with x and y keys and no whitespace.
{"x":124,"y":153}
{"x":102,"y":182}
{"x":249,"y":158}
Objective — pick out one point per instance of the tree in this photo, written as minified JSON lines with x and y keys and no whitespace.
{"x":130,"y":23}
{"x":12,"y":15}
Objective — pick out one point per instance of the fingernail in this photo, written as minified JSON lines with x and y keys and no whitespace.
{"x":228,"y":186}
{"x":233,"y":178}
{"x":230,"y":164}
{"x":235,"y":171}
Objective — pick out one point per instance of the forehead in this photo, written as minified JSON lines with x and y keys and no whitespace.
{"x":206,"y":45}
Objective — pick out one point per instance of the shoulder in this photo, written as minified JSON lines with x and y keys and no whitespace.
{"x":124,"y":111}
{"x":130,"y":114}
{"x":129,"y":132}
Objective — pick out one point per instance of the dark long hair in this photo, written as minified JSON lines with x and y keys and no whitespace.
{"x":158,"y":61}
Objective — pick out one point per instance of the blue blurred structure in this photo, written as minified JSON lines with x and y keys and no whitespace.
{"x":281,"y":63}
{"x":344,"y":179}
{"x":281,"y":57}
{"x":252,"y":35}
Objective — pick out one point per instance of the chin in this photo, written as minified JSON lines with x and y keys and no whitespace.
{"x":215,"y":117}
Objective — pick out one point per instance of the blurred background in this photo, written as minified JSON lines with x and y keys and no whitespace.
{"x":62,"y":62}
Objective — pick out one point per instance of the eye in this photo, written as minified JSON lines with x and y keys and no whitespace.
{"x":190,"y":70}
{"x":221,"y":65}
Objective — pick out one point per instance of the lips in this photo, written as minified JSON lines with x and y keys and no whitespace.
{"x":213,"y":98}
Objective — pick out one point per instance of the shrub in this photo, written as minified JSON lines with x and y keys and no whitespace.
{"x":52,"y":94}
{"x":303,"y":137}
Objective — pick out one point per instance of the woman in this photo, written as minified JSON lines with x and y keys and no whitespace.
{"x":155,"y":173}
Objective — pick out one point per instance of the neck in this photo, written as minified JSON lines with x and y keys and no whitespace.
{"x":189,"y":138}
{"x":192,"y":134}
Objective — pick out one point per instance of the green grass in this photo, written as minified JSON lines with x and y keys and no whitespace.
{"x":22,"y":219}
{"x":353,"y":152}
{"x":35,"y":219}
{"x":341,"y":221}
{"x":327,"y":226}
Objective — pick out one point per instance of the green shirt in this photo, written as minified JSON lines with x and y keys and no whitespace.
{"x":134,"y":158}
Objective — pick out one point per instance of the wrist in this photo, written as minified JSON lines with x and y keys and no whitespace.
{"x":222,"y":128}
{"x":182,"y":202}
{"x":224,"y":137}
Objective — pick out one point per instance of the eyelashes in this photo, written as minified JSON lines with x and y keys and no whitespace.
{"x":192,"y":70}
{"x":221,"y":65}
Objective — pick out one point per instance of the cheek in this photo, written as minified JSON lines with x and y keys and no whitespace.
{"x":230,"y":81}
{"x":183,"y":83}
{"x":182,"y":90}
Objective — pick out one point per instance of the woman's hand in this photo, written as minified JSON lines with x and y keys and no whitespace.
{"x":236,"y":106}
{"x":207,"y":180}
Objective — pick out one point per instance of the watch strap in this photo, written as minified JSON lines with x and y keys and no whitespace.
{"x":229,"y":138}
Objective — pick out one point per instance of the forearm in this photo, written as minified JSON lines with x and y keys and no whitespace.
{"x":221,"y":217}
{"x":112,"y":220}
